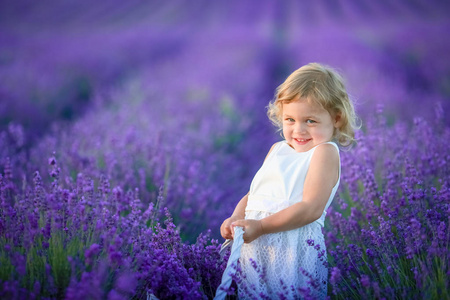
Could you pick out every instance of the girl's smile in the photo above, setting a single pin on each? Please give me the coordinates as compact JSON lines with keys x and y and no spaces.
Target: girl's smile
{"x":307,"y":124}
{"x":302,"y":141}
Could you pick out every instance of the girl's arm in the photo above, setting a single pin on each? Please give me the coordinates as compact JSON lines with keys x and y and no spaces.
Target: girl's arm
{"x":321,"y":177}
{"x":238,"y":214}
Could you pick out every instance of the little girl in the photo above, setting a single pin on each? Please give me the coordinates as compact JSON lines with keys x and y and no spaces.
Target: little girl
{"x":284,"y":212}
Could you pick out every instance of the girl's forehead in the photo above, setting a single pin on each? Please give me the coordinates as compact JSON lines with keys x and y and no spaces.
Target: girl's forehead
{"x":303,"y":106}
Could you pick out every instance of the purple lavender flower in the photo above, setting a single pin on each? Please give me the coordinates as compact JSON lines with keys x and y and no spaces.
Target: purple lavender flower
{"x":365,"y":281}
{"x":441,"y":232}
{"x":90,"y":253}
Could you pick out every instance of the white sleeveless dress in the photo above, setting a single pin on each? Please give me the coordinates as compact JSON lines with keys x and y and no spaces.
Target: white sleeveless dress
{"x":283,"y":262}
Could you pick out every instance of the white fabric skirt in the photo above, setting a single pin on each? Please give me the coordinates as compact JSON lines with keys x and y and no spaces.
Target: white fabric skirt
{"x":284,"y":263}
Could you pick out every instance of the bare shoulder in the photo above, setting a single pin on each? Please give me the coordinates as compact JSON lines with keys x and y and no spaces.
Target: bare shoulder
{"x":326,"y":152}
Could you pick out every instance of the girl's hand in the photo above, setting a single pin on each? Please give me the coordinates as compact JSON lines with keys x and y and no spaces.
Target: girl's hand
{"x":252,"y":229}
{"x":225,"y":229}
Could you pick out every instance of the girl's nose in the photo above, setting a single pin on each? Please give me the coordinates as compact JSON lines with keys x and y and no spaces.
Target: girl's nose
{"x":300,"y":128}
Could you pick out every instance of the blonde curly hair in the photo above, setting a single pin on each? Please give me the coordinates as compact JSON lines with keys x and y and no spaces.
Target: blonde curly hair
{"x":324,"y":86}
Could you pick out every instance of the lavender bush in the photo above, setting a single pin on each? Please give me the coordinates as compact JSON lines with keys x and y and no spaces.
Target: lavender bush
{"x":388,"y":234}
{"x":71,"y":239}
{"x":118,"y":156}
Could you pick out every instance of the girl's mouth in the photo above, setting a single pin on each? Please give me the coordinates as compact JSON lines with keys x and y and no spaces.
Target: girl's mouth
{"x":302,"y":141}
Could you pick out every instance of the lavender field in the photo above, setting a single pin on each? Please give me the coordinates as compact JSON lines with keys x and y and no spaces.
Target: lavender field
{"x":129,"y":131}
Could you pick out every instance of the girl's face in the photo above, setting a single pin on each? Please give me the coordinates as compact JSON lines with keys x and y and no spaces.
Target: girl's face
{"x":307,"y":124}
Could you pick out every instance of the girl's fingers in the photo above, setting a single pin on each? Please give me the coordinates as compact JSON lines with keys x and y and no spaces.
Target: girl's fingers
{"x":229,"y":233}
{"x":225,"y":231}
{"x":240,"y":223}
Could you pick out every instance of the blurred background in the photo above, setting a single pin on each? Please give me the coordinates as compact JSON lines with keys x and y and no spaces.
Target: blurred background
{"x":169,"y":96}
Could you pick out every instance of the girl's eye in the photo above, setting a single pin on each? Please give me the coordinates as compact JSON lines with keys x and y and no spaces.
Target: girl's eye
{"x":309,"y":121}
{"x":290,"y":120}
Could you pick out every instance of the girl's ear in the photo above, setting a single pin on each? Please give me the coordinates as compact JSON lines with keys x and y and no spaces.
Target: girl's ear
{"x":338,"y":120}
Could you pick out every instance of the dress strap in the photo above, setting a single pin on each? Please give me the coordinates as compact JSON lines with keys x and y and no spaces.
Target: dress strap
{"x":334,"y":144}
